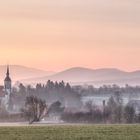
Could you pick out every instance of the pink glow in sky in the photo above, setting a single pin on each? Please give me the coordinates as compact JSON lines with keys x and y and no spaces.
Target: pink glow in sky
{"x":58,"y":34}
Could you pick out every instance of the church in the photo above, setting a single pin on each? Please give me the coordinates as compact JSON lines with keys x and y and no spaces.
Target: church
{"x":5,"y":91}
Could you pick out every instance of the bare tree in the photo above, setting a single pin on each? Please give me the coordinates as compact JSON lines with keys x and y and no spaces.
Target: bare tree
{"x":34,"y":109}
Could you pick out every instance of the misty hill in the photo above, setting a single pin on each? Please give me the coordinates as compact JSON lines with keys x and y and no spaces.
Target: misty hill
{"x":79,"y":75}
{"x":83,"y":74}
{"x":18,"y":72}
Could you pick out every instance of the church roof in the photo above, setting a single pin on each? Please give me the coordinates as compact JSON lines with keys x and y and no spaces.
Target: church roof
{"x":7,"y":78}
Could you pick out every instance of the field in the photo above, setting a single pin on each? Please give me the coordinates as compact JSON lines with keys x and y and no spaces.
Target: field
{"x":70,"y":132}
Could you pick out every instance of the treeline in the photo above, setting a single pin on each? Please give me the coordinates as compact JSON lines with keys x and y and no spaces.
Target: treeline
{"x":55,"y":90}
{"x":42,"y":89}
{"x":50,"y":92}
{"x":111,"y":112}
{"x":64,"y":101}
{"x":107,"y":90}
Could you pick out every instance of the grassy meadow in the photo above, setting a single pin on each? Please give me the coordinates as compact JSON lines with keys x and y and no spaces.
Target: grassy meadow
{"x":71,"y":132}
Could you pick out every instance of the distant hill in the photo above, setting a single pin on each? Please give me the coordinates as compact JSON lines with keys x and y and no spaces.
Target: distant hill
{"x":79,"y":75}
{"x":18,"y":72}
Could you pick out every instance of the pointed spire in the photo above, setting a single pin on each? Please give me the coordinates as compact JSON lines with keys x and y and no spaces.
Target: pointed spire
{"x":7,"y":74}
{"x":7,"y":70}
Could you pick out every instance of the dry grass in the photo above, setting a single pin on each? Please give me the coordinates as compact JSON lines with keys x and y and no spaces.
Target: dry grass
{"x":70,"y":132}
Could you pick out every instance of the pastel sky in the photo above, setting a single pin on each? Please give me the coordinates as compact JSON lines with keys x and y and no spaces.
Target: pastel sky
{"x":58,"y":34}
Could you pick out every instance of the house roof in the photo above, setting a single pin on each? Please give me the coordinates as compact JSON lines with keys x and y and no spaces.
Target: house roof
{"x":7,"y":78}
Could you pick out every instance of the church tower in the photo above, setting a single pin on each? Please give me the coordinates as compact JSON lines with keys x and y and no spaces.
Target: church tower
{"x":8,"y":83}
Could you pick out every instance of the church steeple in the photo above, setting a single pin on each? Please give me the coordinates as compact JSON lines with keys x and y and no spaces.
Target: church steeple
{"x":7,"y":81}
{"x":7,"y":74}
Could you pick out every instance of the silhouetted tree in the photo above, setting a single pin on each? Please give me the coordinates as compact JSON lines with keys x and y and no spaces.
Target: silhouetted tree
{"x":34,"y":109}
{"x":56,"y":108}
{"x":22,"y":89}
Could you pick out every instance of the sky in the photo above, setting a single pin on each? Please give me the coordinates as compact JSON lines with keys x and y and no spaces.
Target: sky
{"x":59,"y":34}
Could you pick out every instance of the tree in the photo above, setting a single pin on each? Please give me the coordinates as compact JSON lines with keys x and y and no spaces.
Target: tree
{"x":56,"y":108}
{"x":68,"y":87}
{"x":22,"y":89}
{"x":34,"y":109}
{"x":129,"y":114}
{"x":116,"y":108}
{"x":50,"y":85}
